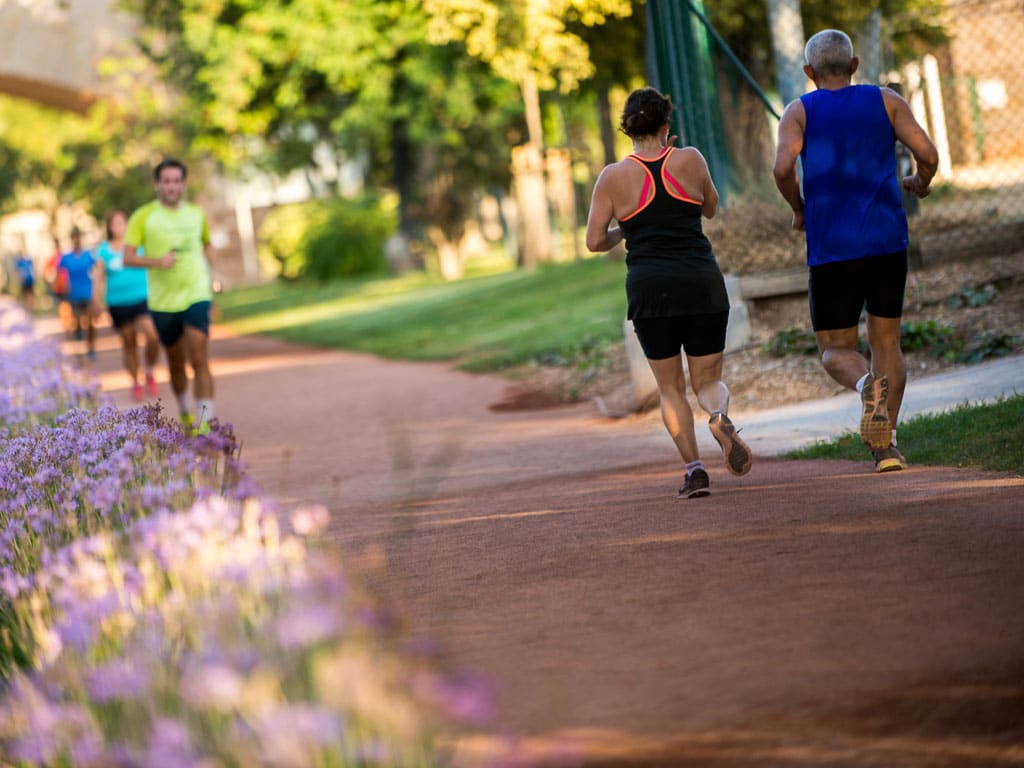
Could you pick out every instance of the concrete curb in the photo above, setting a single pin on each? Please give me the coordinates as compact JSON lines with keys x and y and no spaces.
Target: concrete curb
{"x":779,"y":430}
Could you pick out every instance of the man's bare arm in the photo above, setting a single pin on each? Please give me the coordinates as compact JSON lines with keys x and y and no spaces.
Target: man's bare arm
{"x":791,"y":142}
{"x":910,"y":132}
{"x":132,"y":259}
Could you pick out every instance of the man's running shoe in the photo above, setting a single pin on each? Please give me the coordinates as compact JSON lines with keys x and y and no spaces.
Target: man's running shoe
{"x":738,"y":457}
{"x":192,"y":428}
{"x":137,"y":393}
{"x":889,"y":459}
{"x":875,"y":427}
{"x":151,"y":386}
{"x":697,"y":484}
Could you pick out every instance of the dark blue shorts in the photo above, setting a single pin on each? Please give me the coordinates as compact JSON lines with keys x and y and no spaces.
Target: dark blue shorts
{"x":170,"y":326}
{"x":839,"y":291}
{"x":124,"y":314}
{"x":697,"y":335}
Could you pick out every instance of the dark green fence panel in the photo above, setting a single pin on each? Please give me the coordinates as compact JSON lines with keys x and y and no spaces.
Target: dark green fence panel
{"x":679,"y":63}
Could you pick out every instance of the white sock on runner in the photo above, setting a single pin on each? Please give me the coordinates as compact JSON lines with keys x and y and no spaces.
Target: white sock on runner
{"x":860,"y":382}
{"x":183,"y":404}
{"x":204,"y":410}
{"x":692,"y":465}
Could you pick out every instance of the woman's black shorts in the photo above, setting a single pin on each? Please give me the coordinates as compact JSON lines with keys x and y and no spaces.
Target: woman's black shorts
{"x":123,"y":314}
{"x":697,"y":335}
{"x":840,"y":290}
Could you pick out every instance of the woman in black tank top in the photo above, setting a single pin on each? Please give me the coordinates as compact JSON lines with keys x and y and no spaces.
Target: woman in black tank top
{"x":674,"y":287}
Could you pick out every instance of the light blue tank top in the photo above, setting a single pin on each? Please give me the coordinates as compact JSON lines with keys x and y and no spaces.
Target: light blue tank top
{"x":853,"y":206}
{"x":125,"y":285}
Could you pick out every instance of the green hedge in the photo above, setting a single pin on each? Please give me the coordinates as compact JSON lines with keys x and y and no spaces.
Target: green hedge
{"x":324,"y":240}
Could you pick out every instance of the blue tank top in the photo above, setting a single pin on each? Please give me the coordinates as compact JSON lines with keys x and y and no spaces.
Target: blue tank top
{"x":79,"y":267}
{"x":853,"y":206}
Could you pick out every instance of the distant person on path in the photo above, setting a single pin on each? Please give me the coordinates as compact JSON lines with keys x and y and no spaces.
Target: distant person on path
{"x":57,"y":282}
{"x":26,"y":271}
{"x":674,"y":287}
{"x":857,"y":236}
{"x":123,"y":290}
{"x":78,"y":264}
{"x":171,"y":238}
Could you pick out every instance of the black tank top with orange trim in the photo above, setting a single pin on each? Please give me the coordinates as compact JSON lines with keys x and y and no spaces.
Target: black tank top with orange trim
{"x":670,"y":267}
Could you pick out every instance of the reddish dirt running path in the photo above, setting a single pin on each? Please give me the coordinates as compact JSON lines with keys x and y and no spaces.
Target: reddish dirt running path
{"x":808,"y":614}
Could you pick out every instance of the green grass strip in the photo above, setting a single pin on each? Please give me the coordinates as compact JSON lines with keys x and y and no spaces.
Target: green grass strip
{"x":483,"y":323}
{"x":989,"y":437}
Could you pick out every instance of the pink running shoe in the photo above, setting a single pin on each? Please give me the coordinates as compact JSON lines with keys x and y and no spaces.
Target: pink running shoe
{"x":137,"y":395}
{"x":151,"y":386}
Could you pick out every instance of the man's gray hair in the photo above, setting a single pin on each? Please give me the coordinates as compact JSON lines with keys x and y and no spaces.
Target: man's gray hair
{"x":829,"y":52}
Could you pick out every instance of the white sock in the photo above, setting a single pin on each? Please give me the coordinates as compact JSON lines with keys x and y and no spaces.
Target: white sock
{"x":204,"y":410}
{"x":692,"y":465}
{"x":183,"y":405}
{"x":860,"y":382}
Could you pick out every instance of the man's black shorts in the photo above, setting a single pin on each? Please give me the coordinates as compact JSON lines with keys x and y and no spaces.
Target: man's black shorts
{"x":170,"y":326}
{"x":697,"y":335}
{"x":840,"y":290}
{"x":123,"y":314}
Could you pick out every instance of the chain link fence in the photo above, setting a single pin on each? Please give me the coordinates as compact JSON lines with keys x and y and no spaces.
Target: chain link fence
{"x":968,"y":92}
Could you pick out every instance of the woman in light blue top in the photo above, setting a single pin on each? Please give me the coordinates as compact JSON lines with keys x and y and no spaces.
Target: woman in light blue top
{"x":124,"y":291}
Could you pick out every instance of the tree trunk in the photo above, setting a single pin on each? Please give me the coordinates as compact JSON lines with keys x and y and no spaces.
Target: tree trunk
{"x":869,"y":48}
{"x":563,"y":199}
{"x":528,"y":179}
{"x":449,"y":259}
{"x":532,"y":202}
{"x":403,"y":175}
{"x":531,"y":102}
{"x":787,"y":29}
{"x":604,"y":112}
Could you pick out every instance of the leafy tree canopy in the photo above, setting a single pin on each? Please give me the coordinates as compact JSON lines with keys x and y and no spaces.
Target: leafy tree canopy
{"x":744,"y":25}
{"x":523,"y":38}
{"x":57,"y":158}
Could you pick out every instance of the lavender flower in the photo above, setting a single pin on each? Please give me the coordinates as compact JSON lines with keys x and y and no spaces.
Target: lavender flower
{"x":155,"y":612}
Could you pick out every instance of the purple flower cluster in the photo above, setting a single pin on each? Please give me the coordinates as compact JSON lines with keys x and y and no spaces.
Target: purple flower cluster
{"x":95,"y":470}
{"x":223,"y":635}
{"x":36,"y":382}
{"x":154,"y":612}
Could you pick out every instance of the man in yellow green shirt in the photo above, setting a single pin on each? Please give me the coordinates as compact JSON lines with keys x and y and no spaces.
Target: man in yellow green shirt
{"x":170,"y":238}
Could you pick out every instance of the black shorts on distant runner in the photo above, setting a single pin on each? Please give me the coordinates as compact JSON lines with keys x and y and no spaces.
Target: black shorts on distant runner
{"x":124,"y":314}
{"x":170,"y":326}
{"x":838,"y":291}
{"x":698,"y":335}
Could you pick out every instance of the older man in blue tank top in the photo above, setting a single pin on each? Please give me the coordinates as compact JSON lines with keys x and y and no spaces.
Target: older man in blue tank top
{"x":852,"y":212}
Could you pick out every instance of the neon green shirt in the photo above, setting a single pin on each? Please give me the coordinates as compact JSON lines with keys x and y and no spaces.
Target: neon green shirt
{"x":158,"y":229}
